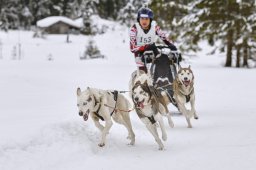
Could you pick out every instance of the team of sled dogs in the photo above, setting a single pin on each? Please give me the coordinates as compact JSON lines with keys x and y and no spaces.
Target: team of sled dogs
{"x":149,"y":103}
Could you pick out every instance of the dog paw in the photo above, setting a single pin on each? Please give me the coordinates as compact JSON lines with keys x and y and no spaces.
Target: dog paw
{"x":161,"y":148}
{"x":131,"y":143}
{"x":195,"y":116}
{"x":171,"y":124}
{"x":189,"y":126}
{"x":101,"y":144}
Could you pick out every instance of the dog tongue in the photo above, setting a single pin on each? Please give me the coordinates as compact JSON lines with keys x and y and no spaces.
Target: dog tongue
{"x":141,"y":105}
{"x":186,"y":83}
{"x":85,"y":117}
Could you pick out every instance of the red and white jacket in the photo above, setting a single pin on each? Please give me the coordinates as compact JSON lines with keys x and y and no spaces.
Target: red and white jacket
{"x":139,"y":38}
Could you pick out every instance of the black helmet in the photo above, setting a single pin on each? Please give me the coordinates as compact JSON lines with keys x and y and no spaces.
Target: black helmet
{"x":145,"y":12}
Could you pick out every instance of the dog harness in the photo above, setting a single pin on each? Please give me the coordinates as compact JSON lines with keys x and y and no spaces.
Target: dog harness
{"x":97,"y":111}
{"x":188,"y":96}
{"x":141,"y":115}
{"x":115,"y":93}
{"x":152,"y":92}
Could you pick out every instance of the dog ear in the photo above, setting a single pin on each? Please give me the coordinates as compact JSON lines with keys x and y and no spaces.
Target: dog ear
{"x":78,"y":91}
{"x":89,"y":90}
{"x":146,"y":82}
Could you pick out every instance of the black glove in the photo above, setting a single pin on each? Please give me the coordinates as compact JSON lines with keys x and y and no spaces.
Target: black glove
{"x":172,"y":47}
{"x":148,"y":59}
{"x":177,"y":57}
{"x":152,"y":47}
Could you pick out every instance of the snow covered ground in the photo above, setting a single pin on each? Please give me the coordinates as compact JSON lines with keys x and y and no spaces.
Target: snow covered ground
{"x":40,"y":127}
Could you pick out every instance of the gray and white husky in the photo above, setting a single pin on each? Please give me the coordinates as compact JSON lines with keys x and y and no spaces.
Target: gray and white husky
{"x":149,"y":105}
{"x":184,"y":92}
{"x":104,"y":104}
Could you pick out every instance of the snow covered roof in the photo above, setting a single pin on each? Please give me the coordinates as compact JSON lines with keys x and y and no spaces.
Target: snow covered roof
{"x":46,"y":22}
{"x":96,"y":20}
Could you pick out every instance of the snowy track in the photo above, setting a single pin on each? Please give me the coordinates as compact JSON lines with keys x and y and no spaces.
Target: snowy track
{"x":40,"y":127}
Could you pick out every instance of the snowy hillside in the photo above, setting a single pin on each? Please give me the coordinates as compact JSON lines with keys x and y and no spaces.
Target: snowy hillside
{"x":40,"y":127}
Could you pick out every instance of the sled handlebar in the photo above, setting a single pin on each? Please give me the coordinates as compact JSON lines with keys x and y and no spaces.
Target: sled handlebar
{"x":162,"y":46}
{"x":174,"y":53}
{"x":166,"y":47}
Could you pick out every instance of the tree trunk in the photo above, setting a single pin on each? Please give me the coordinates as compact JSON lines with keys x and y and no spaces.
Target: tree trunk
{"x":245,"y":51}
{"x":238,"y":56}
{"x":229,"y":48}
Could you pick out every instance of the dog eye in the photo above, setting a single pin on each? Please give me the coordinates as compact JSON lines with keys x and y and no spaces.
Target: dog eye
{"x":84,"y":103}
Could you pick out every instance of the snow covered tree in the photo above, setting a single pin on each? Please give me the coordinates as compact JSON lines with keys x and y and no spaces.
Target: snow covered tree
{"x":4,"y":24}
{"x":91,"y":51}
{"x":222,"y":21}
{"x":139,"y":4}
{"x":127,"y":15}
{"x":88,"y":8}
{"x":168,"y":13}
{"x":76,"y":10}
{"x":9,"y":15}
{"x":245,"y":31}
{"x":40,"y":9}
{"x":109,"y":9}
{"x":26,"y":18}
{"x":61,"y":7}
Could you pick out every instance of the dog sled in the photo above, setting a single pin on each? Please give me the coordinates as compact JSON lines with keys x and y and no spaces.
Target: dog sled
{"x":163,"y":69}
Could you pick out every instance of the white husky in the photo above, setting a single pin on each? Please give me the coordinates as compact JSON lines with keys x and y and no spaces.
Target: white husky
{"x":103,"y":104}
{"x":183,"y":87}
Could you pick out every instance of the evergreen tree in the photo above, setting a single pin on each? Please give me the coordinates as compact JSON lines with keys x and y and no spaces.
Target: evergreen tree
{"x":168,"y":13}
{"x":76,"y":10}
{"x":223,"y":21}
{"x":40,"y":9}
{"x":10,"y":15}
{"x":245,"y":31}
{"x":25,"y":18}
{"x":109,"y":9}
{"x":88,"y":8}
{"x":4,"y":23}
{"x":139,"y":4}
{"x":56,"y":9}
{"x":127,"y":14}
